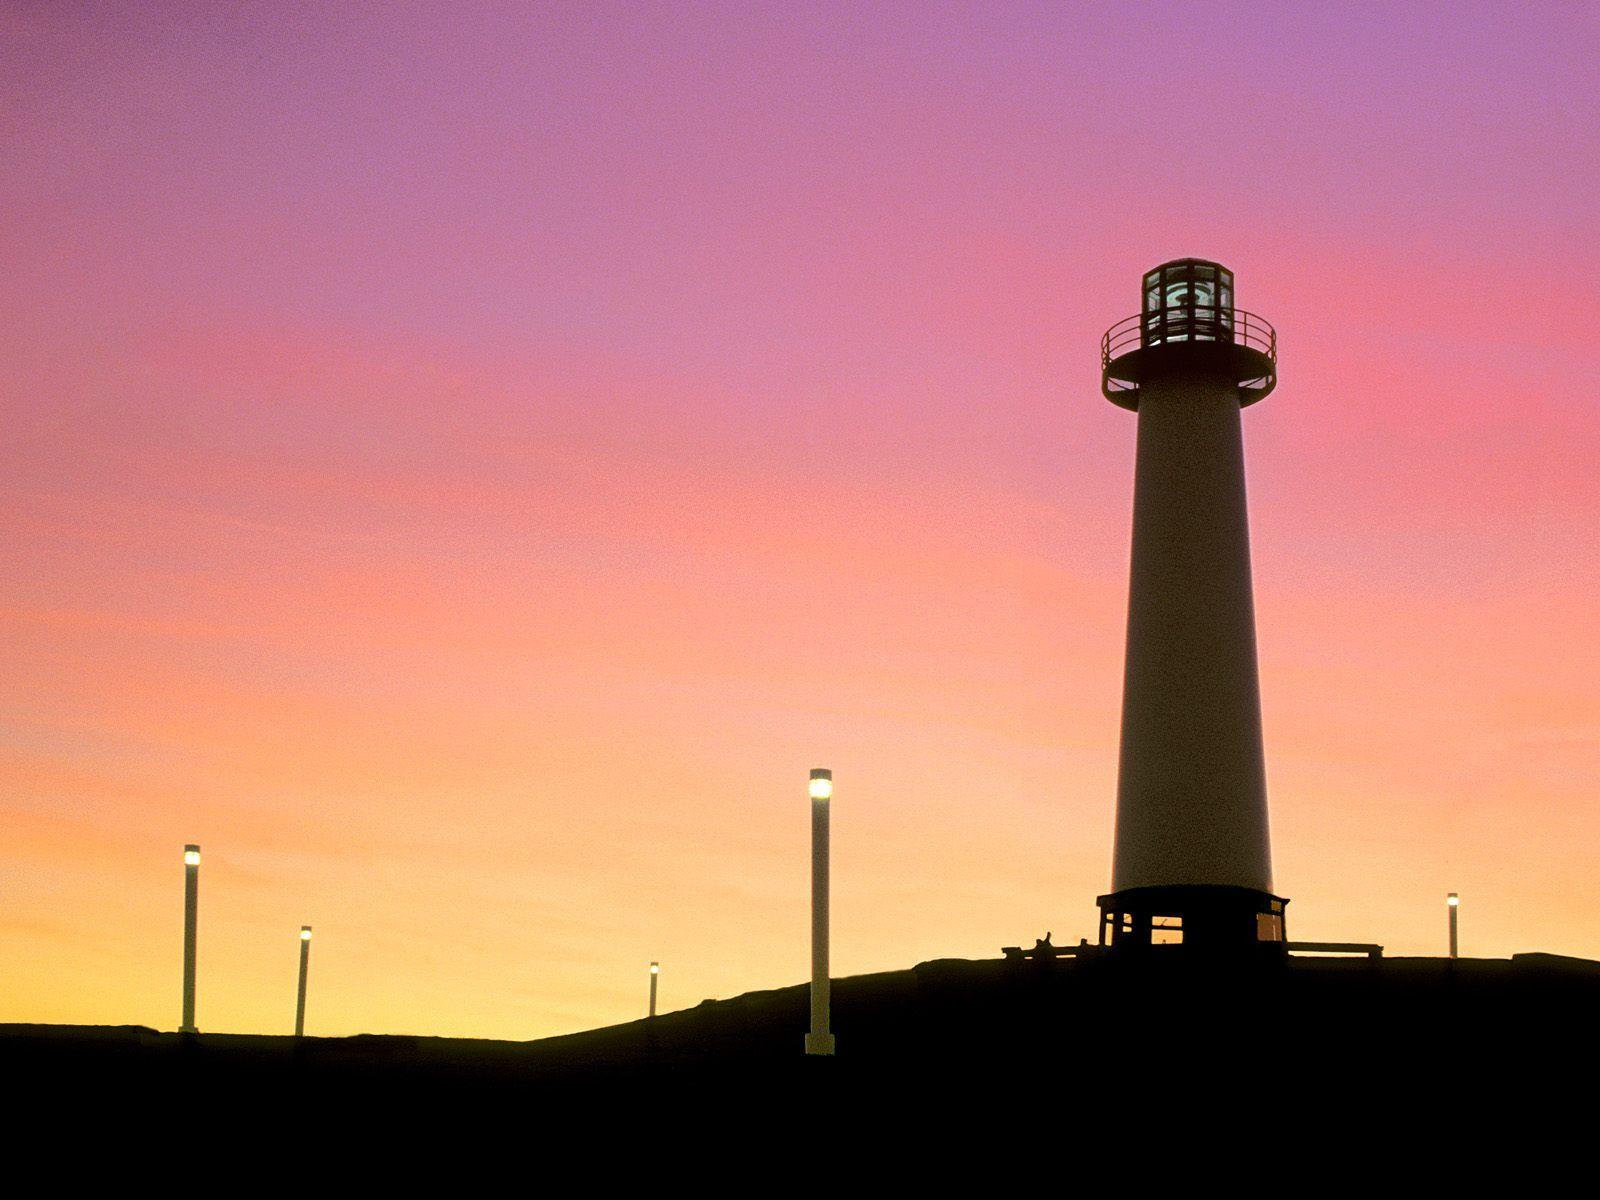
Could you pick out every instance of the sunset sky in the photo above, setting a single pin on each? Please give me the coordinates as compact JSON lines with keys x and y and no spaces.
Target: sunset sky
{"x":462,"y":464}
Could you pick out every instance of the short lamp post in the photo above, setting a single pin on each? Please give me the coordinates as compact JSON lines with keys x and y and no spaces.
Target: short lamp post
{"x":655,"y":975}
{"x":1453,"y":901}
{"x":820,"y":1039}
{"x":305,"y":966}
{"x":191,"y":919}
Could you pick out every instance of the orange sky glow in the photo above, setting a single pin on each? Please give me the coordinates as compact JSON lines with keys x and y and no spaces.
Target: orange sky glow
{"x":463,"y":468}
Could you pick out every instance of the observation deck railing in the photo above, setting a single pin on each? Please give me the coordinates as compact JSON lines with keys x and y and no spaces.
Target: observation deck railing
{"x":1189,"y":323}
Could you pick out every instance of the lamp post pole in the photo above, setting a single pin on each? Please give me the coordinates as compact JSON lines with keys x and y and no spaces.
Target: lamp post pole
{"x":1454,"y":902}
{"x":655,"y":974}
{"x":305,"y":964}
{"x":820,"y":1039}
{"x":191,"y":918}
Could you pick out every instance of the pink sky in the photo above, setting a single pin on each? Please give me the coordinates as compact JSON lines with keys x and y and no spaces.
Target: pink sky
{"x":465,"y":463}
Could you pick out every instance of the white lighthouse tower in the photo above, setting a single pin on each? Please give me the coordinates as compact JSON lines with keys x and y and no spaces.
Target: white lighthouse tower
{"x":1193,"y":861}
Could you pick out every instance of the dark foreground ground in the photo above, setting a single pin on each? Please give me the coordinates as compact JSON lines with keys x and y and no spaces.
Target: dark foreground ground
{"x":1020,"y":1060}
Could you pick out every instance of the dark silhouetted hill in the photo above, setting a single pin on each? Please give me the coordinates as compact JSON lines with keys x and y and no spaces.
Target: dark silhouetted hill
{"x":1098,"y":1050}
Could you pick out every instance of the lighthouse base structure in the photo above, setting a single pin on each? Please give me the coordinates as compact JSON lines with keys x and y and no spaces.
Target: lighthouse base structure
{"x":1208,"y":918}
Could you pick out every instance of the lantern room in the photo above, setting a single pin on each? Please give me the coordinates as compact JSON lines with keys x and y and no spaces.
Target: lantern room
{"x":1187,"y":300}
{"x":1186,"y":322}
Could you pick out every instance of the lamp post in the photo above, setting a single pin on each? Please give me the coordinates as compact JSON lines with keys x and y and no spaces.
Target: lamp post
{"x":191,"y":917}
{"x":305,"y":963}
{"x":820,"y":1039}
{"x":1454,"y":902}
{"x":655,"y":974}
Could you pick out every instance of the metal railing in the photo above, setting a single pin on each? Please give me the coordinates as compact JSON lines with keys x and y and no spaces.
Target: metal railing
{"x":1189,"y":323}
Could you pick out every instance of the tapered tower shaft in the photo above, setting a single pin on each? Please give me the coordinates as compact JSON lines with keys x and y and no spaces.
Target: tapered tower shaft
{"x":1191,"y":790}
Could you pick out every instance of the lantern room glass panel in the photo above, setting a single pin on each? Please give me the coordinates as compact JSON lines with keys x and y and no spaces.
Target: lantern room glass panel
{"x":1187,"y":300}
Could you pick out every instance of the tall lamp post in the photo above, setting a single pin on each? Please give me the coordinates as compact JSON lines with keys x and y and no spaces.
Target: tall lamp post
{"x":191,"y":917}
{"x":655,"y":974}
{"x":305,"y":964}
{"x":1454,"y":902}
{"x":820,"y":1039}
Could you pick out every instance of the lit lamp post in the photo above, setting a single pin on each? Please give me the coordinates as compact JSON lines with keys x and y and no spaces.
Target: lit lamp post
{"x":819,"y":1040}
{"x":655,"y":974}
{"x":191,"y":917}
{"x":305,"y":963}
{"x":1454,"y":901}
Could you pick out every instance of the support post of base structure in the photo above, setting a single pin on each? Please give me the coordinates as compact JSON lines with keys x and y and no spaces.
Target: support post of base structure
{"x":1454,"y":902}
{"x":820,"y":1039}
{"x":305,"y":964}
{"x":191,"y":919}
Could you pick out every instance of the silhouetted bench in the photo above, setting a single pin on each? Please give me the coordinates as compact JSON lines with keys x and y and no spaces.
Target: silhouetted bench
{"x":1367,"y":948}
{"x":1016,"y":953}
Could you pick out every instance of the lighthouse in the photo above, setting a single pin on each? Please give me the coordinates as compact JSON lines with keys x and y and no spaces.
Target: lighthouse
{"x":1192,"y":863}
